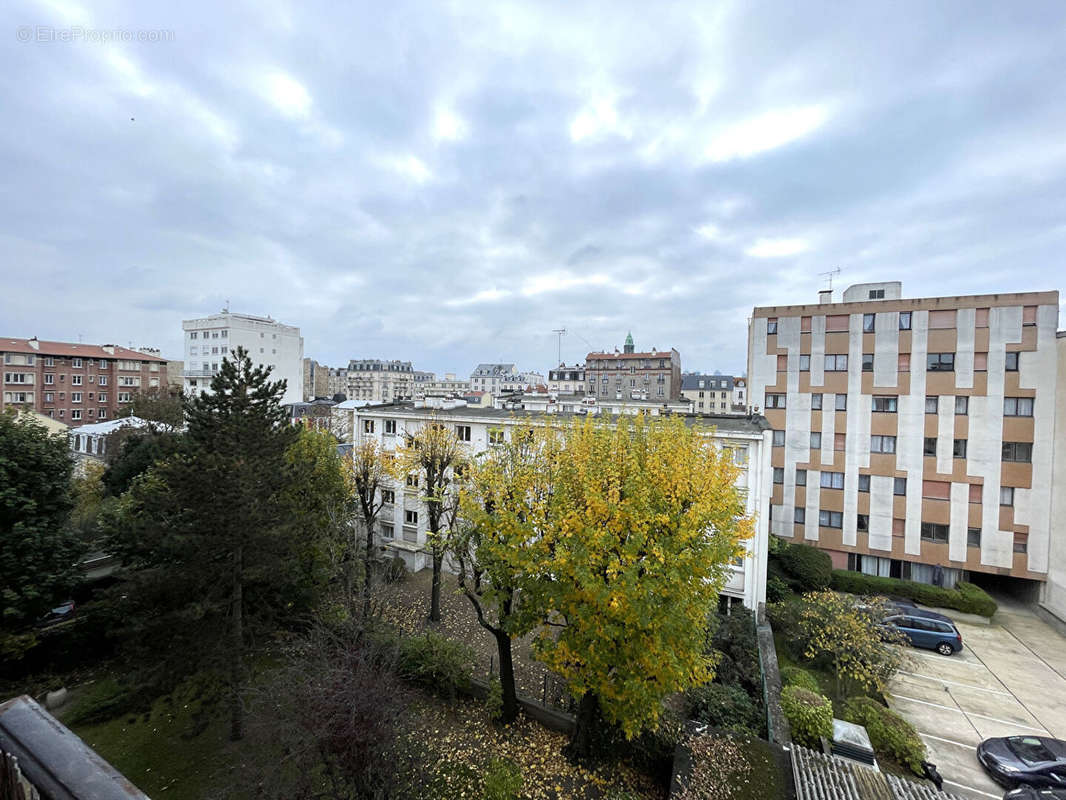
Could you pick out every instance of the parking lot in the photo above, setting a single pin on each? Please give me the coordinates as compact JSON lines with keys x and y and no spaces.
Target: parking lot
{"x":1010,"y":679}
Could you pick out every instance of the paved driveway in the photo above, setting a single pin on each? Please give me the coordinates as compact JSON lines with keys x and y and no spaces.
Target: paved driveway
{"x":1009,"y":679}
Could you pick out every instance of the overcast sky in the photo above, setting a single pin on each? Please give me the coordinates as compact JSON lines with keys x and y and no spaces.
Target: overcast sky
{"x":448,"y":182}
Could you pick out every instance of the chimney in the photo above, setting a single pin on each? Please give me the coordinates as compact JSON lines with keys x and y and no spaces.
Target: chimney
{"x":109,"y":349}
{"x":825,"y":296}
{"x":34,"y":343}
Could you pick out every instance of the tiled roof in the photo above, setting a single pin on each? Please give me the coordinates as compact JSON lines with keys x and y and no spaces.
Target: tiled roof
{"x":692,"y":381}
{"x":656,"y":354}
{"x":69,"y":349}
{"x":822,"y":777}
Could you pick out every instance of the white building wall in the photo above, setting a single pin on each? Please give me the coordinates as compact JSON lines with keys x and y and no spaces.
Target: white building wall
{"x":910,"y":438}
{"x":1053,"y":596}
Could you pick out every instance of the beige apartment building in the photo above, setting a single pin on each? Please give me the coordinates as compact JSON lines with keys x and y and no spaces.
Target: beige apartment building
{"x":912,"y":437}
{"x":629,"y":375}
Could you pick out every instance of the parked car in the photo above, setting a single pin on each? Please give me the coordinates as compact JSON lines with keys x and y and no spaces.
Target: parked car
{"x":910,"y":609}
{"x":935,"y":633}
{"x":1024,"y":760}
{"x":1034,"y":793}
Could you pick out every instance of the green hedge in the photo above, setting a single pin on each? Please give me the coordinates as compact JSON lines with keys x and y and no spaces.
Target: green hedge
{"x":806,"y":568}
{"x":891,"y":735}
{"x":440,"y":664}
{"x":798,"y":676}
{"x":810,"y":715}
{"x":964,"y":597}
{"x":725,"y":708}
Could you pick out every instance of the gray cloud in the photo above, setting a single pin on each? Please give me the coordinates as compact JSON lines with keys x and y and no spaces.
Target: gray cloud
{"x":448,"y":183}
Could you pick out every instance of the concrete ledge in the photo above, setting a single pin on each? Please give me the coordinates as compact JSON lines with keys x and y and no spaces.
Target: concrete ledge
{"x":1051,"y":618}
{"x":548,"y":717}
{"x":960,"y":616}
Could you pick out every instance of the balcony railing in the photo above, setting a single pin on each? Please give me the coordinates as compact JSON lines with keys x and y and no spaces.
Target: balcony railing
{"x":199,"y":373}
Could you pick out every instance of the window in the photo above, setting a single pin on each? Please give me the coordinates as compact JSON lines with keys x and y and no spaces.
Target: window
{"x":832,"y":480}
{"x":936,"y":490}
{"x":75,"y":380}
{"x":1012,"y":362}
{"x":124,"y":397}
{"x":816,"y":440}
{"x":1017,"y":406}
{"x":412,"y":480}
{"x":904,"y":320}
{"x":958,"y":449}
{"x":839,"y":441}
{"x":899,"y":486}
{"x":92,"y":379}
{"x":782,"y":363}
{"x":75,"y":413}
{"x":50,"y":362}
{"x":816,"y":402}
{"x":1021,"y":543}
{"x":980,"y":362}
{"x":463,"y":432}
{"x":973,"y":537}
{"x":842,"y":402}
{"x":805,"y":363}
{"x":940,"y":362}
{"x":864,"y":483}
{"x":771,"y":326}
{"x":102,"y":397}
{"x":869,"y":321}
{"x":495,"y":435}
{"x":779,"y":438}
{"x":387,"y":531}
{"x":903,"y":362}
{"x":932,"y":532}
{"x":49,"y":378}
{"x":962,"y":405}
{"x":388,"y":496}
{"x":799,"y":516}
{"x":805,"y":324}
{"x":831,"y":519}
{"x":62,"y":413}
{"x":76,"y":363}
{"x":867,"y":362}
{"x":779,"y":474}
{"x":410,"y":517}
{"x":102,"y":380}
{"x":1018,"y":451}
{"x":941,"y":320}
{"x":930,"y":446}
{"x":836,"y":363}
{"x":862,"y":522}
{"x":877,"y":294}
{"x":368,"y":426}
{"x":885,"y":404}
{"x":931,"y":405}
{"x":193,"y":335}
{"x":801,"y":477}
{"x":837,"y":323}
{"x":1006,"y":496}
{"x":75,"y":397}
{"x":390,"y":426}
{"x":49,"y":397}
{"x":18,"y":377}
{"x":102,"y":414}
{"x":1028,"y":315}
{"x":775,"y":401}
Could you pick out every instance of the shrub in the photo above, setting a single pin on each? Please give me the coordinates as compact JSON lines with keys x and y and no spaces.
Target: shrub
{"x":435,"y":662}
{"x":798,"y":676}
{"x":807,"y":568}
{"x":776,"y":589}
{"x":810,"y":715}
{"x":964,"y":597}
{"x":734,"y":639}
{"x":724,"y":707}
{"x":891,"y":735}
{"x":395,"y":570}
{"x":503,"y":780}
{"x":494,"y":699}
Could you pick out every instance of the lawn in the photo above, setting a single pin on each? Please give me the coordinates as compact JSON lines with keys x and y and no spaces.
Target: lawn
{"x":733,"y":768}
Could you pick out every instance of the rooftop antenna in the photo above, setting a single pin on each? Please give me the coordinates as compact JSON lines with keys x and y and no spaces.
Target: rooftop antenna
{"x":560,"y":333}
{"x":829,"y":277}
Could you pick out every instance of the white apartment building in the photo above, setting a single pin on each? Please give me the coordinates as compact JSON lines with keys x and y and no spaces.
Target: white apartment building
{"x":378,"y":381}
{"x":565,"y":379}
{"x":913,"y":437}
{"x":446,"y":386}
{"x":402,"y":523}
{"x":710,"y":394}
{"x":268,"y":342}
{"x":493,"y":378}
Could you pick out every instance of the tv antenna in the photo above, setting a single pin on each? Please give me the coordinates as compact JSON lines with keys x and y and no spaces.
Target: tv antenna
{"x":829,"y":276}
{"x":560,"y":333}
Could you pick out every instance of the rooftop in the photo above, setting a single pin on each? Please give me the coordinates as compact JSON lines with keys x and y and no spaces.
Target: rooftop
{"x":651,"y":354}
{"x":69,"y":349}
{"x":692,"y":381}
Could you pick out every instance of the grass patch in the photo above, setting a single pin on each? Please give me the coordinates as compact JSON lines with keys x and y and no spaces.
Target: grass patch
{"x":732,"y":768}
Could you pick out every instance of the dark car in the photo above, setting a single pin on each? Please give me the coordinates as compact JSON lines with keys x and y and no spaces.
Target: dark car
{"x":935,"y":634}
{"x":1034,"y":793}
{"x":1024,"y":761}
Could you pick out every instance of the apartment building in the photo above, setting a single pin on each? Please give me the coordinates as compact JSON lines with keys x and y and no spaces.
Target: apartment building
{"x":493,"y":378}
{"x":316,"y":380}
{"x":1053,"y":591}
{"x":76,"y":383}
{"x":654,"y":375}
{"x":710,"y":394}
{"x":740,"y":395}
{"x":336,"y":381}
{"x":269,"y":343}
{"x":565,"y":379}
{"x":449,"y":385}
{"x":377,"y":381}
{"x":912,"y":437}
{"x":402,"y":522}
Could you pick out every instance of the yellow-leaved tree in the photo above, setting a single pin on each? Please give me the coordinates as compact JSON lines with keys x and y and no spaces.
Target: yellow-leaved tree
{"x":368,"y":471}
{"x":644,"y":519}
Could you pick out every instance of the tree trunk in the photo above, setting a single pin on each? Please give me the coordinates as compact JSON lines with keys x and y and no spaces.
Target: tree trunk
{"x":367,"y":569}
{"x":580,"y":747}
{"x":510,"y":699}
{"x":434,"y":596}
{"x":236,"y":731}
